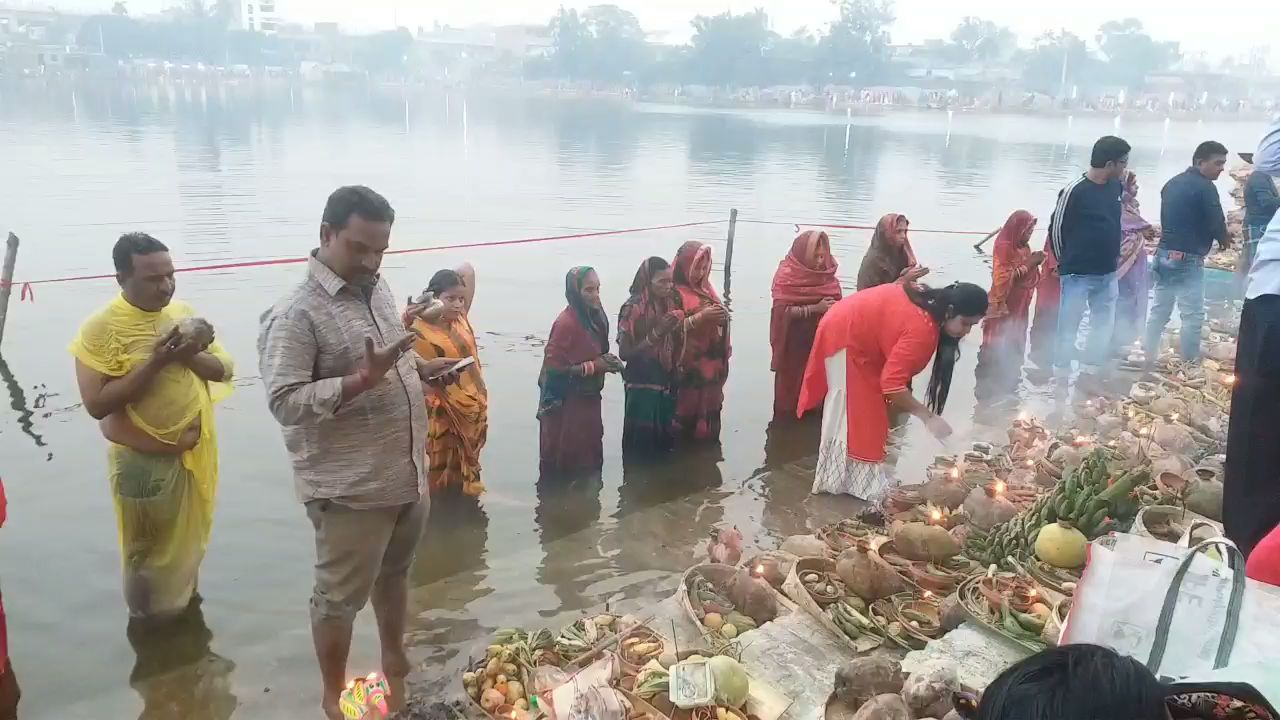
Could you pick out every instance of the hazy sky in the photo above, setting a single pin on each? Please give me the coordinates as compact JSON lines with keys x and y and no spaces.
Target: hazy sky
{"x":1219,"y":28}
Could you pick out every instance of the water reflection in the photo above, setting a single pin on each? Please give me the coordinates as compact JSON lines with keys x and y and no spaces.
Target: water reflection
{"x":176,"y":672}
{"x":568,"y":521}
{"x":682,"y":498}
{"x":18,"y":401}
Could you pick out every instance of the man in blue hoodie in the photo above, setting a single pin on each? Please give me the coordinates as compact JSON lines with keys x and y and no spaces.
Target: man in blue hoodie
{"x":1084,"y":233}
{"x":1191,"y":219}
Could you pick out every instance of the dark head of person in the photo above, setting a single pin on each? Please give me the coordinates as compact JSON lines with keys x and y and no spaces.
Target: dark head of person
{"x":354,"y":233}
{"x":1073,"y":682}
{"x":450,"y":288}
{"x":1210,"y":159}
{"x":1110,"y":158}
{"x":144,"y":271}
{"x":957,"y":308}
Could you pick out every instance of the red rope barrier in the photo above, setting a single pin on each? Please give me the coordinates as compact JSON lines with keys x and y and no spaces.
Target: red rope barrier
{"x":28,"y":292}
{"x":838,"y":226}
{"x":26,"y":286}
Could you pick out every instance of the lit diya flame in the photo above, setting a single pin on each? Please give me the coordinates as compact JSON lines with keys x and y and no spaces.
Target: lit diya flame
{"x":1032,"y":592}
{"x":1228,"y":379}
{"x":999,"y":487}
{"x":1031,"y":463}
{"x":760,"y":569}
{"x":928,"y":594}
{"x":935,"y":515}
{"x":955,"y":472}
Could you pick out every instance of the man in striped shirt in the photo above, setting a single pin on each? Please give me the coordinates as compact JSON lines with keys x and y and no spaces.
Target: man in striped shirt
{"x":1084,"y":233}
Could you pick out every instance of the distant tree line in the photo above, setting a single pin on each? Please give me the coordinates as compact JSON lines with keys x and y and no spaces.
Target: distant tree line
{"x":606,"y":44}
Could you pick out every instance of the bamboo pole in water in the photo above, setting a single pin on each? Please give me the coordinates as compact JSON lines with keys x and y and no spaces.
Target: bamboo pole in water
{"x":6,"y":279}
{"x":728,"y":252}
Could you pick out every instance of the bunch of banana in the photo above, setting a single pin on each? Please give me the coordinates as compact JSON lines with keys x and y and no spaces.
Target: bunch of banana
{"x":1084,"y":496}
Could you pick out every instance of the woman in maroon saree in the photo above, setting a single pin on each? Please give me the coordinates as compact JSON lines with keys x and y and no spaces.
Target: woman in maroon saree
{"x":571,"y":433}
{"x":804,"y":288}
{"x":704,"y":363}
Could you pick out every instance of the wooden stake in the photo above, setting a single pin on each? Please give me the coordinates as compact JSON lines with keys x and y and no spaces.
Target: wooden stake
{"x":6,"y":279}
{"x":728,"y":252}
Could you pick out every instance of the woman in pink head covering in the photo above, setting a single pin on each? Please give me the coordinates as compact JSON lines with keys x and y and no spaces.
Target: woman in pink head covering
{"x":1131,"y":271}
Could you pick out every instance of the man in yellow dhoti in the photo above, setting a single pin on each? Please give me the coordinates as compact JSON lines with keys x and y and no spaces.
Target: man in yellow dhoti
{"x":150,"y":372}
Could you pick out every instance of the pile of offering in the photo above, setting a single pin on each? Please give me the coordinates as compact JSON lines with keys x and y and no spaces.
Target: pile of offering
{"x":582,"y":636}
{"x":728,"y":601}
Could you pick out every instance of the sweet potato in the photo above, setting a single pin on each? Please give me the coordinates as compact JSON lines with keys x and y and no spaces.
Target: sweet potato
{"x":753,"y":597}
{"x":866,"y":574}
{"x":930,"y":693}
{"x":884,"y":707}
{"x":919,"y":541}
{"x":861,"y":679}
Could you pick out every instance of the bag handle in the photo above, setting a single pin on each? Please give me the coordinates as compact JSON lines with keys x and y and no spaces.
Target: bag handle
{"x":1235,"y":561}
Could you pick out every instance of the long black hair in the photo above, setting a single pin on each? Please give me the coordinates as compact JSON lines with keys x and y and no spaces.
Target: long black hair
{"x":1073,"y":682}
{"x":942,"y":304}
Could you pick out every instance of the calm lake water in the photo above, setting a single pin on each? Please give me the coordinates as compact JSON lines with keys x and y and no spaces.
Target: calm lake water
{"x":235,"y":175}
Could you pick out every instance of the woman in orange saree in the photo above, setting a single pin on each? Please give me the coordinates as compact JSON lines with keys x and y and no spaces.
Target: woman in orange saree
{"x":458,"y":414}
{"x":704,"y":363}
{"x":1015,"y":271}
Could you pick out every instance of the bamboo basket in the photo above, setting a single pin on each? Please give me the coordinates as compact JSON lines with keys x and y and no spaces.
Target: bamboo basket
{"x":524,"y":682}
{"x":640,"y":704}
{"x":721,"y":574}
{"x":798,"y":594}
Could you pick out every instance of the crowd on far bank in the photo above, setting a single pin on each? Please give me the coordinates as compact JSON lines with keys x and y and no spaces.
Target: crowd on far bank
{"x":383,"y":408}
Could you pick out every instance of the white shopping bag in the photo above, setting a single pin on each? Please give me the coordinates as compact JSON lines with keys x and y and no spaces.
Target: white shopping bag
{"x":1173,"y":608}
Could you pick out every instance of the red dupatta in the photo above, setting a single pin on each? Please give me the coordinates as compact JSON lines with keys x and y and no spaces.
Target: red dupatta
{"x":1010,"y":253}
{"x":691,"y":272}
{"x":800,"y":281}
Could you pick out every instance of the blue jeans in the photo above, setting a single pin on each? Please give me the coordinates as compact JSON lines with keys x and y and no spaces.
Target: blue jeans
{"x":1098,"y":294}
{"x":1178,"y":277}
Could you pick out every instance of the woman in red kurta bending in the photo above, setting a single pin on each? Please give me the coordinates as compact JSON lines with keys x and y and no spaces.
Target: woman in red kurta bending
{"x":868,"y":348}
{"x":805,"y":287}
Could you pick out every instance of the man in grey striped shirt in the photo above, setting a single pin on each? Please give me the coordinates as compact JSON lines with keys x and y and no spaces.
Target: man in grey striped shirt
{"x":347,"y":390}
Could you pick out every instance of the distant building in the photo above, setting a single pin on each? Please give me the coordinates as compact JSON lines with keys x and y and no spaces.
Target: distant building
{"x":460,"y":52}
{"x":256,"y":15}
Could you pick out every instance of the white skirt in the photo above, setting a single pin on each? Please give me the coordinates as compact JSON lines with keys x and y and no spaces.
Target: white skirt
{"x":837,"y":473}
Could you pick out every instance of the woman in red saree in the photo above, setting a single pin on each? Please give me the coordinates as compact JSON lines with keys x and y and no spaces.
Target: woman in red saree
{"x":804,"y":289}
{"x":1048,"y":299}
{"x":868,"y":348}
{"x":650,"y":340}
{"x":571,"y":433}
{"x":704,"y":362}
{"x":1015,"y":271}
{"x":890,"y":257}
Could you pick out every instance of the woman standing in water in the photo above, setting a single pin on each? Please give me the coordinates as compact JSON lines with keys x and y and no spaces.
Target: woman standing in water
{"x":458,"y":413}
{"x":1131,"y":303}
{"x":804,"y":289}
{"x":1048,"y":298}
{"x":704,"y":363}
{"x":571,"y":434}
{"x":868,"y":348}
{"x":650,"y":340}
{"x":1015,"y":270}
{"x":890,"y":257}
